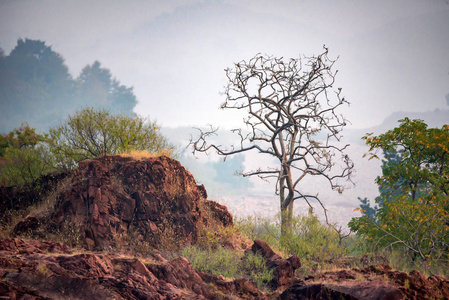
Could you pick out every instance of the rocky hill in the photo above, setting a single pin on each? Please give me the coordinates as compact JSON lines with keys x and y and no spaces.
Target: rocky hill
{"x":108,"y":198}
{"x":121,"y":216}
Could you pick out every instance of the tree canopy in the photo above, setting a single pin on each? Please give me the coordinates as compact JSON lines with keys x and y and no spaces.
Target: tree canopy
{"x":23,"y":158}
{"x":97,"y":86}
{"x":413,"y":213}
{"x":36,"y":87}
{"x":90,"y":133}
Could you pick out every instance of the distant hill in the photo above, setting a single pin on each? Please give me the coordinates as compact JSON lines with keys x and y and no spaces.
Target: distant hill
{"x":436,"y":118}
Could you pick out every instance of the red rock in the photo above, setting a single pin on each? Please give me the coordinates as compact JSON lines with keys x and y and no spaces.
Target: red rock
{"x":373,"y":290}
{"x":283,"y":269}
{"x":107,"y":276}
{"x":156,"y":195}
{"x":27,"y":225}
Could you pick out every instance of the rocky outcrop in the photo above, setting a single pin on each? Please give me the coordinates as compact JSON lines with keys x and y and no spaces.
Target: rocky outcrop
{"x":283,"y":269}
{"x":373,"y":282}
{"x":374,"y":290}
{"x":155,"y":198}
{"x":47,"y":271}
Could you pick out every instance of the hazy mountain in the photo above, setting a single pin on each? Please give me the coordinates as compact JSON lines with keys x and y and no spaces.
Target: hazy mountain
{"x":436,"y":118}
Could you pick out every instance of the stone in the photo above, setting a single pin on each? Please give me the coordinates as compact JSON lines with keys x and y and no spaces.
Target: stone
{"x":283,"y":269}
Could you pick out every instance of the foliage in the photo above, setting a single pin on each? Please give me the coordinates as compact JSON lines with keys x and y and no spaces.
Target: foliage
{"x":22,"y":137}
{"x":24,"y":156}
{"x":413,"y":215}
{"x":91,"y":133}
{"x":291,"y":116}
{"x":366,"y":209}
{"x":36,"y":87}
{"x":23,"y":166}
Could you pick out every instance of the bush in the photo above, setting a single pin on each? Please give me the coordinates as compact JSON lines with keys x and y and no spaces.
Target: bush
{"x":23,"y":156}
{"x":23,"y":165}
{"x":413,"y":213}
{"x":92,"y":133}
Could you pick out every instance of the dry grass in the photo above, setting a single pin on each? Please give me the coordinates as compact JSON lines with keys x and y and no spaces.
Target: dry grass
{"x":41,"y":209}
{"x":143,"y":154}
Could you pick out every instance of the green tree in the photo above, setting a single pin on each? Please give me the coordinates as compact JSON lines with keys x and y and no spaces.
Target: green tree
{"x":23,"y":137}
{"x":96,"y":86}
{"x":24,"y":157}
{"x":414,"y":214}
{"x":90,"y":133}
{"x":391,"y":157}
{"x":35,"y":85}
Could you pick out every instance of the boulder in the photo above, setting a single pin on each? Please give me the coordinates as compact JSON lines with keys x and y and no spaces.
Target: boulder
{"x":283,"y":269}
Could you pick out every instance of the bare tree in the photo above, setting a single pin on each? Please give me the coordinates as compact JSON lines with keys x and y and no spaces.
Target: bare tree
{"x":291,"y":116}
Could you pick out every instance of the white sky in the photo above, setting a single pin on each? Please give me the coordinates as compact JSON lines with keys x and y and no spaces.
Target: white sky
{"x":393,"y":54}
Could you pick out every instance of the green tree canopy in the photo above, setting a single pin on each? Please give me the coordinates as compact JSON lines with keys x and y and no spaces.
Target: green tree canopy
{"x":414,"y":212}
{"x":91,"y":133}
{"x":23,"y":156}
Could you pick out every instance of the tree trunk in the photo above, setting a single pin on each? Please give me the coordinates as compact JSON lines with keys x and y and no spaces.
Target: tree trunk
{"x":286,"y":202}
{"x":286,"y":220}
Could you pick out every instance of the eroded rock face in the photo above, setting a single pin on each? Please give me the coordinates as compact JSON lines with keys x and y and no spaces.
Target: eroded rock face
{"x":88,"y":275}
{"x":109,"y":195}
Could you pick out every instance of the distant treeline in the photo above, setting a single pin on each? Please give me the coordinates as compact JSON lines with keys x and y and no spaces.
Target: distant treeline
{"x":36,"y":87}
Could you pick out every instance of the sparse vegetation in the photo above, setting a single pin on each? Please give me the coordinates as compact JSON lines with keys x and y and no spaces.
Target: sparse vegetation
{"x":144,"y":154}
{"x":313,"y":241}
{"x":230,"y":264}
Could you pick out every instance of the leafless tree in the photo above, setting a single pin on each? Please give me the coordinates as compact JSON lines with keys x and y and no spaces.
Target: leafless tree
{"x":291,"y":116}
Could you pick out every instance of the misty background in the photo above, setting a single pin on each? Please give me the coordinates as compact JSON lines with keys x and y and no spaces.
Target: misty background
{"x":165,"y":60}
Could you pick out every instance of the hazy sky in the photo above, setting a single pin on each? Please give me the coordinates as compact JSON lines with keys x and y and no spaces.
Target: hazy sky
{"x":393,"y":54}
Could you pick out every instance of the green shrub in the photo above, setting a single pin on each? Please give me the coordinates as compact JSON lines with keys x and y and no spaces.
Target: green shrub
{"x":23,"y":156}
{"x":256,"y":270}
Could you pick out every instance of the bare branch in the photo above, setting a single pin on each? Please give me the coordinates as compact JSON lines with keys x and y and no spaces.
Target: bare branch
{"x":292,"y":116}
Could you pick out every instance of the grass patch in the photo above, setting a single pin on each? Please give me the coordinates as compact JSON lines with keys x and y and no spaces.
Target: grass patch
{"x":143,"y":154}
{"x":230,"y":264}
{"x":315,"y":243}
